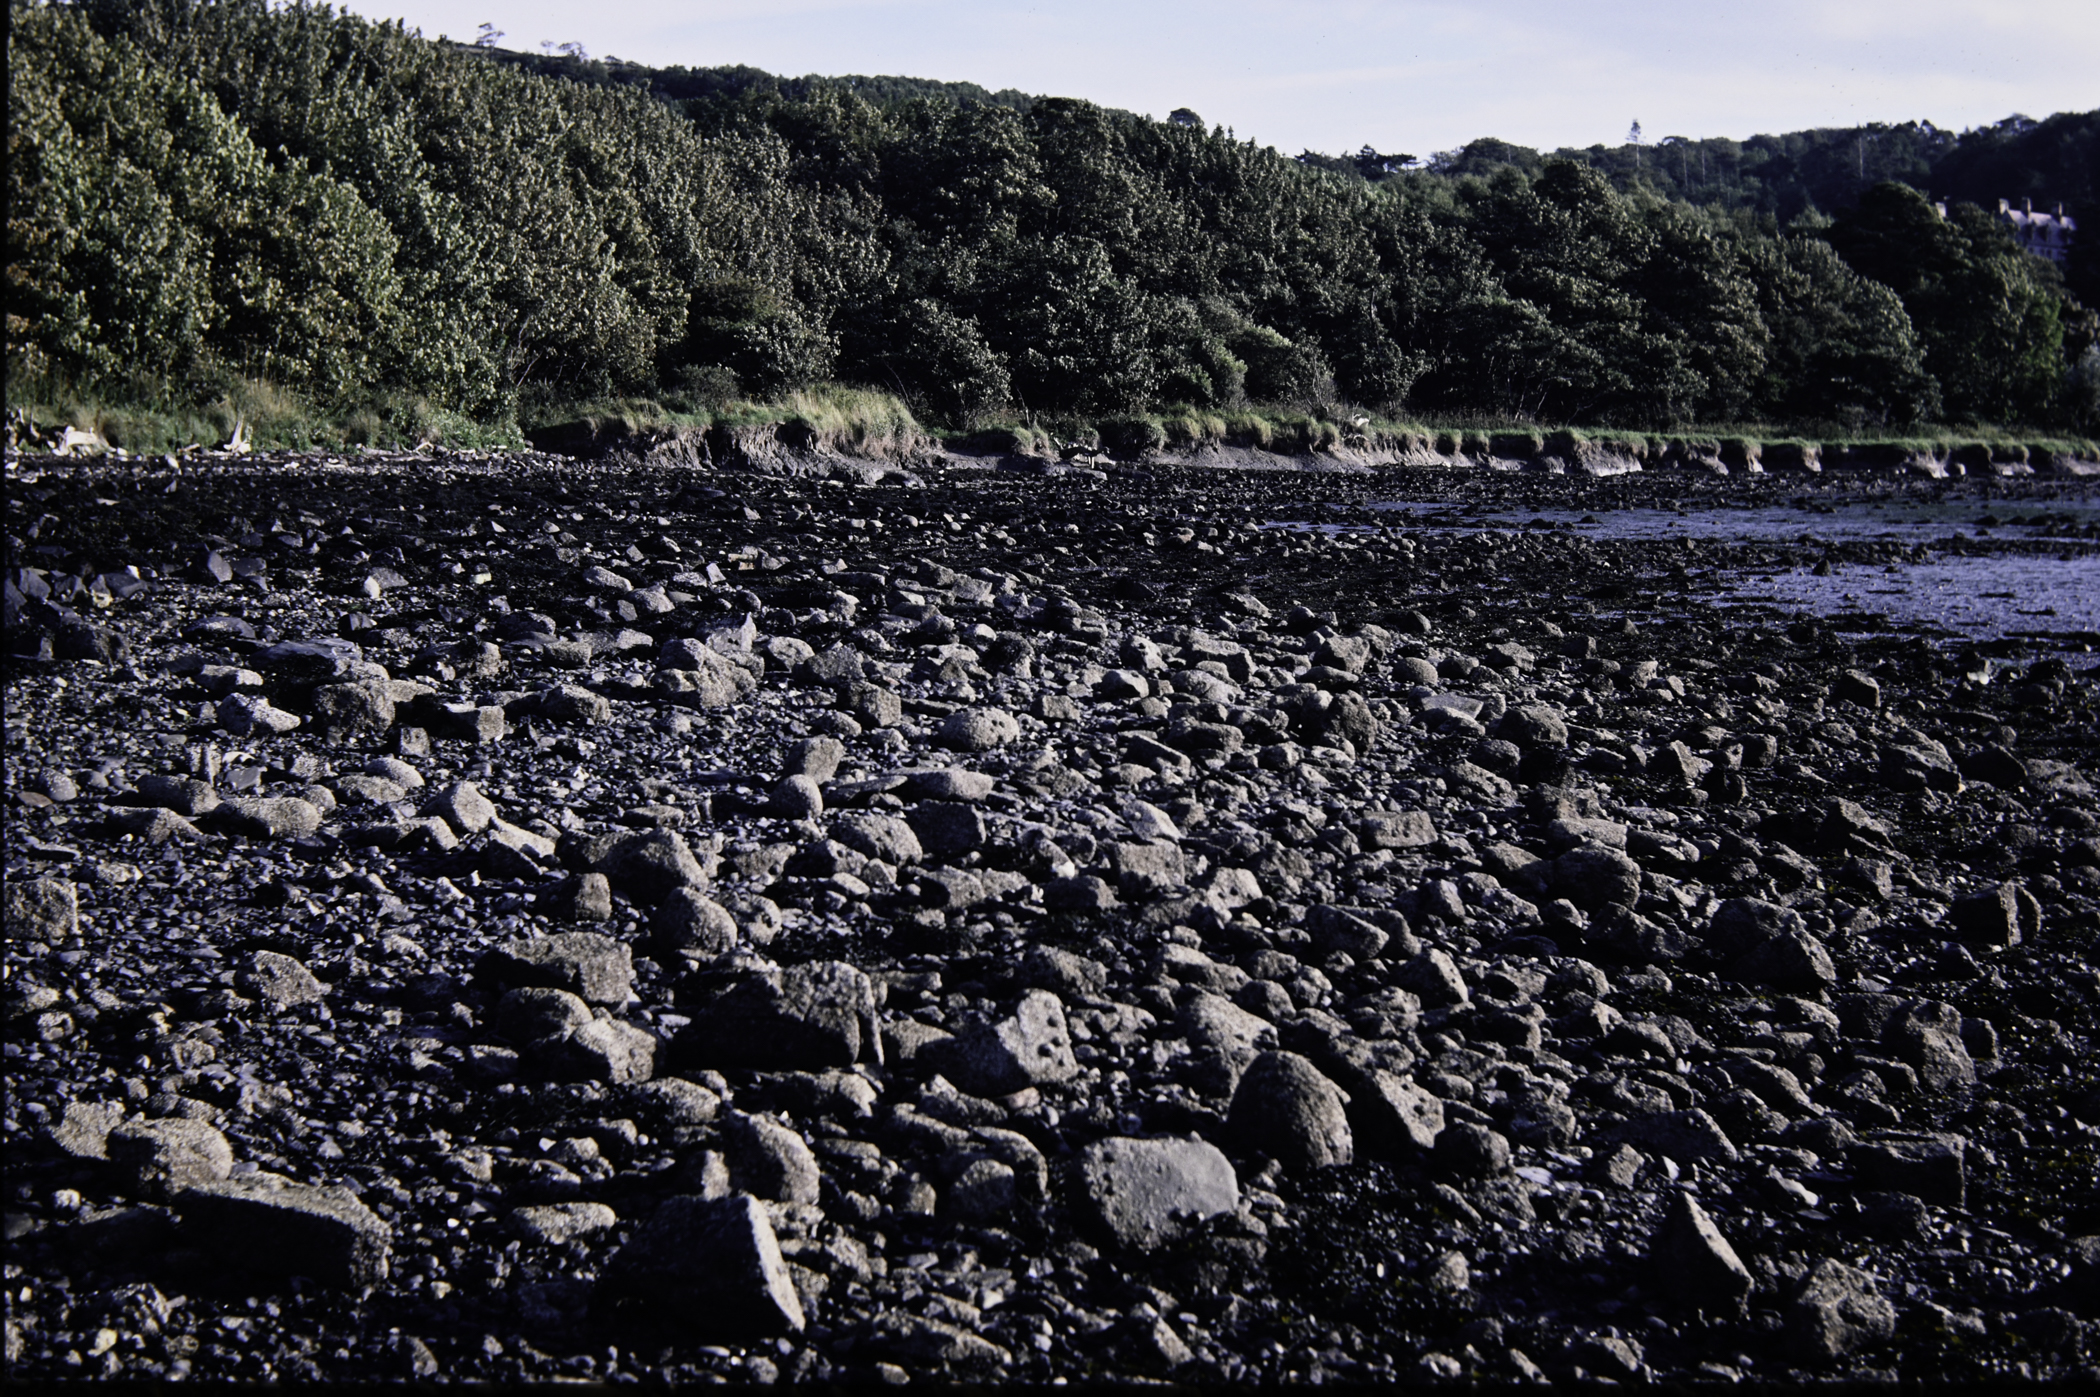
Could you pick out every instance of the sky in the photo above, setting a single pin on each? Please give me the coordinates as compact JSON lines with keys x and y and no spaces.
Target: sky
{"x":1403,"y":76}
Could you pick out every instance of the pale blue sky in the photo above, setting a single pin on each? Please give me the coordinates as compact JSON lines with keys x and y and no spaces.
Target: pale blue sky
{"x":1402,"y":75}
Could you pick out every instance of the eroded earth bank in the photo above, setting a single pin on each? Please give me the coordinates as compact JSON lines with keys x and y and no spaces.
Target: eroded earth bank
{"x":512,"y":918}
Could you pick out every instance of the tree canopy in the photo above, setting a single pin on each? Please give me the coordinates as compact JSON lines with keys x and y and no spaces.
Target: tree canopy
{"x":211,"y":187}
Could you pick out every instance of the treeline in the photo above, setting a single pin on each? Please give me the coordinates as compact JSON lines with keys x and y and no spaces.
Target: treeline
{"x":203,"y":190}
{"x":1826,"y":169}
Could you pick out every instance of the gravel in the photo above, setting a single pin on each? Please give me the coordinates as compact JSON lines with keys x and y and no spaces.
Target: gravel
{"x":977,"y":925}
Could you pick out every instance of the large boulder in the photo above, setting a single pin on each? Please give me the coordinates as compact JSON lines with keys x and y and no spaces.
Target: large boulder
{"x":265,"y":1223}
{"x":1286,"y":1109}
{"x":804,"y":1019}
{"x":1143,"y":1194}
{"x":1030,"y":1046}
{"x":707,"y":1268}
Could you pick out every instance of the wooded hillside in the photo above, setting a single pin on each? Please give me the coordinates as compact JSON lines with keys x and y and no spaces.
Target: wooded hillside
{"x":208,"y":190}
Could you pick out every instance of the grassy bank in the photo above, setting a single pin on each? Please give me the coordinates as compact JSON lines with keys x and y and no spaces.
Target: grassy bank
{"x":863,"y":422}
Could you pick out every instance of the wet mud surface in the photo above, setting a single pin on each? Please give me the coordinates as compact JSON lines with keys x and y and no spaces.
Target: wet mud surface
{"x":515,"y":919}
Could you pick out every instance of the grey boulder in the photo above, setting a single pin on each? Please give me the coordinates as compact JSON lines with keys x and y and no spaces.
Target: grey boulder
{"x":266,"y":1223}
{"x":709,"y":1268}
{"x":1143,"y":1194}
{"x":1286,"y":1109}
{"x":1032,"y":1045}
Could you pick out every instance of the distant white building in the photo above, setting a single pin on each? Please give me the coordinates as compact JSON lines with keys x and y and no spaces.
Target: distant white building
{"x":2043,"y":234}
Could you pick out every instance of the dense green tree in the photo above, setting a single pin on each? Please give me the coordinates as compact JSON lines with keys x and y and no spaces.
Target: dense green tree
{"x":148,"y":236}
{"x":1988,"y":316}
{"x":1842,"y":349}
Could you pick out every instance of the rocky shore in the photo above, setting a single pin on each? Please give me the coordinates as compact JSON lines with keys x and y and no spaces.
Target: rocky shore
{"x":519,"y":918}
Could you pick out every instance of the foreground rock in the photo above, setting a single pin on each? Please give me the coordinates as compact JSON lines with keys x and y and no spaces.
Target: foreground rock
{"x":686,"y":925}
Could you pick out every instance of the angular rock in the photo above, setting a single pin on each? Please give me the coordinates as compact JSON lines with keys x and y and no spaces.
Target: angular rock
{"x":462,"y":806}
{"x":1592,"y":878}
{"x":928,"y":1343}
{"x":185,"y":795}
{"x":1533,"y":725}
{"x":1339,"y":929}
{"x":672,"y":1102}
{"x":768,"y":1159}
{"x":978,"y":729}
{"x":280,"y":981}
{"x":1143,"y":1194}
{"x":596,"y":967}
{"x":884,"y":837}
{"x":1148,"y":868}
{"x":1990,"y":919}
{"x":1742,"y":924}
{"x":267,"y":817}
{"x":1837,"y":1311}
{"x":817,"y":758}
{"x":690,"y":924}
{"x":1214,"y":1023}
{"x":536,"y":1013}
{"x":351,"y":712}
{"x":1031,"y":1046}
{"x":1396,"y":829}
{"x":1082,"y":893}
{"x":949,"y":783}
{"x":948,"y":829}
{"x":558,"y":1224}
{"x":1929,"y":1036}
{"x":266,"y":1223}
{"x":153,"y":827}
{"x":161,"y":1158}
{"x":42,"y":909}
{"x":82,"y":1129}
{"x":1795,"y":962}
{"x":587,"y":898}
{"x":804,"y":1019}
{"x":1685,"y":1136}
{"x":1392,"y":1117}
{"x":601,"y":1050}
{"x":707,"y":1269}
{"x":647,"y":868}
{"x":1694,"y":1262}
{"x":1434,"y":978}
{"x":796,"y":798}
{"x":1468,"y":1151}
{"x":1934,"y":1168}
{"x":246,"y":714}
